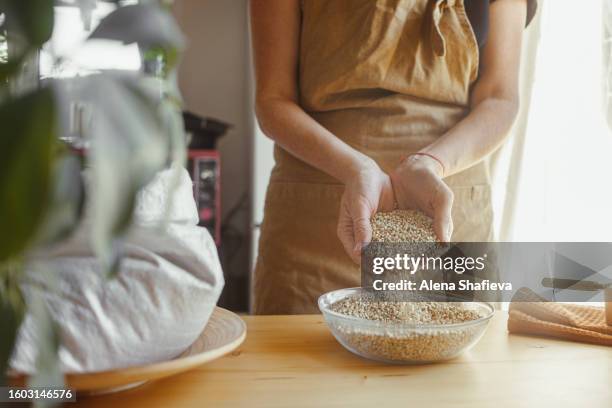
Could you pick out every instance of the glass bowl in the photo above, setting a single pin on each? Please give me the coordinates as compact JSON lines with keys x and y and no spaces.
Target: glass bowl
{"x":403,"y":342}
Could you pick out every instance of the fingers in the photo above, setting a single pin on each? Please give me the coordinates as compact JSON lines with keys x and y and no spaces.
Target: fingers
{"x":442,"y":206}
{"x":362,"y":229}
{"x":403,"y":196}
{"x":388,"y":200}
{"x":354,"y":229}
{"x":345,"y":233}
{"x":396,"y":183}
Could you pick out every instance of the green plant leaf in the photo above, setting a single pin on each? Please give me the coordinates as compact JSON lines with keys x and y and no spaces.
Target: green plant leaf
{"x":173,"y":122}
{"x":128,"y":147}
{"x":10,"y":321}
{"x":128,"y":150}
{"x":169,"y":119}
{"x":9,"y":68}
{"x":48,"y":368}
{"x":26,"y":147}
{"x":66,"y":201}
{"x":12,"y":309}
{"x":32,"y":18}
{"x":145,"y":24}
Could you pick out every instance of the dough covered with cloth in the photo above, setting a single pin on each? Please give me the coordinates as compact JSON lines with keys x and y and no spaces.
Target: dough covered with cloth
{"x":167,"y":286}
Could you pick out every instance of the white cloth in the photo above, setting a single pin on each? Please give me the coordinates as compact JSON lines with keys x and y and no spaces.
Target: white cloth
{"x":168,"y":284}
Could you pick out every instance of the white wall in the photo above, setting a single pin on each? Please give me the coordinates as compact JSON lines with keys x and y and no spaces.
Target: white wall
{"x":214,"y":80}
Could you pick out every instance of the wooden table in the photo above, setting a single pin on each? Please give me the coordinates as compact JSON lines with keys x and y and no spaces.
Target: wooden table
{"x":293,"y":361}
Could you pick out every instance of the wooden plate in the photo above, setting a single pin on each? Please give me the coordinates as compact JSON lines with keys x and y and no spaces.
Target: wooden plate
{"x":224,"y":332}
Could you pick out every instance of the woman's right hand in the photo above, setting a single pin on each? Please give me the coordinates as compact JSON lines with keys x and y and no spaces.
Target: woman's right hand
{"x":418,"y":184}
{"x":367,"y":192}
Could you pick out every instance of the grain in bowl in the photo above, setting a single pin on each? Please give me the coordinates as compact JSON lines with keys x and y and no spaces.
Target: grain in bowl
{"x":403,"y":332}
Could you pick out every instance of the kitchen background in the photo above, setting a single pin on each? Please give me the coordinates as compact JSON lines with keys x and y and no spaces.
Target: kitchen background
{"x":216,"y":81}
{"x":552,"y":168}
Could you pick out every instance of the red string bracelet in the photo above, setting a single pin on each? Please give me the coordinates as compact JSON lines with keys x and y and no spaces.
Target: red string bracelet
{"x":427,"y":155}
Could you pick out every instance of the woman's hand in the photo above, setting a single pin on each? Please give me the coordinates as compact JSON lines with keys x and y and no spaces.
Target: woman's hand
{"x":417,"y":184}
{"x":367,"y":192}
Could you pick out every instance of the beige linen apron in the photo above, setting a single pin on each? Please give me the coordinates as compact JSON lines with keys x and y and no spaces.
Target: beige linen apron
{"x":388,"y":77}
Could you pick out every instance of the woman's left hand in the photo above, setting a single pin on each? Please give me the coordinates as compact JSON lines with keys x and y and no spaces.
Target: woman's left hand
{"x":366,"y":193}
{"x":417,"y":184}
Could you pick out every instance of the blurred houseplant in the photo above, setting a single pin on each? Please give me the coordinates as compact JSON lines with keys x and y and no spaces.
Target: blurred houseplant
{"x":137,"y":131}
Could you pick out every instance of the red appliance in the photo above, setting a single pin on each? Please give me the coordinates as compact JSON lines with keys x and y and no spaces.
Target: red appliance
{"x":205,"y":169}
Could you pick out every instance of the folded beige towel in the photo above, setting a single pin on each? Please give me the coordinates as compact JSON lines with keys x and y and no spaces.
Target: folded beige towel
{"x":531,"y":314}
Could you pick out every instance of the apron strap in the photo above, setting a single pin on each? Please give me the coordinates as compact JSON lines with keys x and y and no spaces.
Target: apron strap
{"x":438,"y":42}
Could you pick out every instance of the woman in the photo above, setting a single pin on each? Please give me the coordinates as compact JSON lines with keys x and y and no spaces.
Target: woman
{"x":375,"y":104}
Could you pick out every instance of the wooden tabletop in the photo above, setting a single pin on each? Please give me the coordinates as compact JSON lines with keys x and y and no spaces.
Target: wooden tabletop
{"x":293,"y":361}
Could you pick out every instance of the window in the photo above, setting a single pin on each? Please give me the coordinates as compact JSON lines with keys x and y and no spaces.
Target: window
{"x":565,"y":192}
{"x":77,"y":57}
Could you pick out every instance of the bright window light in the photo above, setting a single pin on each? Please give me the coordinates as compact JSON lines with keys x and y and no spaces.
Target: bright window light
{"x":565,"y":190}
{"x":78,"y":56}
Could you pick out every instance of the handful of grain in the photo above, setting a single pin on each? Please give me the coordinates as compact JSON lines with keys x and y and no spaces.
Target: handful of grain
{"x":402,"y":226}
